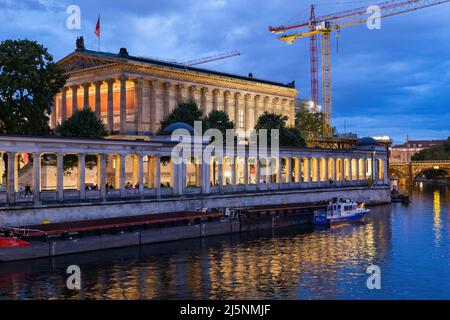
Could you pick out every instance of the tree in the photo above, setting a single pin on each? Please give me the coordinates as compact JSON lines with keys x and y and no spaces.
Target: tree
{"x":83,"y":124}
{"x":310,"y":122}
{"x":29,"y":80}
{"x":437,"y":152}
{"x":187,"y":112}
{"x":288,"y":136}
{"x":217,"y":119}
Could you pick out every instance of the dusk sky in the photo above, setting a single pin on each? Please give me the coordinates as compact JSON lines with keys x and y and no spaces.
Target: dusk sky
{"x":394,"y":81}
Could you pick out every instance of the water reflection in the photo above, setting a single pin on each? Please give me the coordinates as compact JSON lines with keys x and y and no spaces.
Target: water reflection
{"x":295,"y":263}
{"x":437,"y":217}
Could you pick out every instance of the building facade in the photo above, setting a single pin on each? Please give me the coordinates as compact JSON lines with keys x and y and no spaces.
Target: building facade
{"x":402,"y":153}
{"x":132,"y":94}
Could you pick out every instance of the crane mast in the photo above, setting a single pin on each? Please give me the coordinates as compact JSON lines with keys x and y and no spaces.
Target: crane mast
{"x":323,"y":26}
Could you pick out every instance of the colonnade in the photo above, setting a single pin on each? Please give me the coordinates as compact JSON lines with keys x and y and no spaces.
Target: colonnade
{"x":192,"y":176}
{"x":137,"y":104}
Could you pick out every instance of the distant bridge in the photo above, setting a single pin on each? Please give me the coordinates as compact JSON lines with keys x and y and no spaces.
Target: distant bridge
{"x":408,"y":172}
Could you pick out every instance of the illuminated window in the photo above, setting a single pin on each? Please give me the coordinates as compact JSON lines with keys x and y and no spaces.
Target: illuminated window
{"x":241,"y":119}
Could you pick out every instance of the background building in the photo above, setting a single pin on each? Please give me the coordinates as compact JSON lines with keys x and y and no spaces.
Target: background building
{"x":402,"y":153}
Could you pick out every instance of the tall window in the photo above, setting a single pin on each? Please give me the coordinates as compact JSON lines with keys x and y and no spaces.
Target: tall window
{"x":241,"y":119}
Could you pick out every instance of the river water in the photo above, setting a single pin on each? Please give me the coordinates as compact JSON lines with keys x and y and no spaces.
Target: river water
{"x":409,"y":243}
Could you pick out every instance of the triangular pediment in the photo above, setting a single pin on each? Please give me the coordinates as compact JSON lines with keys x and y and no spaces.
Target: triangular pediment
{"x":76,"y":62}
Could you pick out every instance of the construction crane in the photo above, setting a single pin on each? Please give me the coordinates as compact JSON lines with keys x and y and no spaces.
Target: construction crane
{"x":323,"y":26}
{"x":223,"y":56}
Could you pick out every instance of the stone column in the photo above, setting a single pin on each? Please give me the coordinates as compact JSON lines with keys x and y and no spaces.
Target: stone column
{"x":183,"y":177}
{"x":36,"y":178}
{"x":309,"y":171}
{"x":220,"y":164}
{"x":157,"y":181}
{"x":296,"y":170}
{"x":140,"y":161}
{"x":327,"y":175}
{"x":237,"y":107}
{"x":288,"y":170}
{"x":350,"y":170}
{"x":138,"y":110}
{"x":364,"y":168}
{"x":334,"y":169}
{"x":60,"y":176}
{"x":233,"y":172}
{"x":216,"y":99}
{"x":204,"y":102}
{"x":247,"y":112}
{"x":386,"y":172}
{"x":192,"y":93}
{"x":375,"y":171}
{"x":152,"y":114}
{"x":123,"y":105}
{"x":167,"y":86}
{"x":86,"y":95}
{"x":258,"y":173}
{"x":98,"y":95}
{"x":102,"y":168}
{"x":343,"y":169}
{"x":110,"y":106}
{"x":319,"y":171}
{"x":122,"y":175}
{"x":275,"y":106}
{"x":74,"y":99}
{"x":266,"y":104}
{"x":226,"y":104}
{"x":63,"y":112}
{"x":358,"y":175}
{"x":279,"y":181}
{"x":82,"y":175}
{"x":257,"y":110}
{"x":246,"y":164}
{"x":206,"y":176}
{"x":11,"y":177}
{"x":180,"y":88}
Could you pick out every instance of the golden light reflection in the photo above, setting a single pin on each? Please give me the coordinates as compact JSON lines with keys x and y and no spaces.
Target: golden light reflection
{"x":437,"y":223}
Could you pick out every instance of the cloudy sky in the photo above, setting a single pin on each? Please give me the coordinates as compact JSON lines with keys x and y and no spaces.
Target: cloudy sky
{"x":394,"y":81}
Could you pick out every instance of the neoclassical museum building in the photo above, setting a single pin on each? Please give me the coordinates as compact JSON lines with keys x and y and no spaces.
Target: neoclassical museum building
{"x":133,"y":94}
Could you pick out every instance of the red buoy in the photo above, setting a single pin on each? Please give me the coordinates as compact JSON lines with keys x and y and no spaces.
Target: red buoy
{"x":13,"y":243}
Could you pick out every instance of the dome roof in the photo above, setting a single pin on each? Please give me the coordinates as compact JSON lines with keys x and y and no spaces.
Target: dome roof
{"x":367,"y":141}
{"x":175,"y":126}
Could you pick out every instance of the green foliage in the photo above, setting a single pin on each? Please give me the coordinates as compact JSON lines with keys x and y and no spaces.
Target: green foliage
{"x":71,"y":161}
{"x":187,"y":112}
{"x":288,"y":136}
{"x":310,"y":122}
{"x":83,"y":124}
{"x":217,"y":119}
{"x":29,"y":80}
{"x":437,"y":152}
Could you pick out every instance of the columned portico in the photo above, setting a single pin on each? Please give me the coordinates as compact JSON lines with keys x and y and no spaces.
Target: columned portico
{"x":109,"y":170}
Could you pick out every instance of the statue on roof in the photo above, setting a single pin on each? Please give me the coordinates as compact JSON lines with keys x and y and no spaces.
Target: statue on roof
{"x":80,"y":43}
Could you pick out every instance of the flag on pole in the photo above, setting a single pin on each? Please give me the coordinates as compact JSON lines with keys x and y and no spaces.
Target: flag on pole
{"x":97,"y":27}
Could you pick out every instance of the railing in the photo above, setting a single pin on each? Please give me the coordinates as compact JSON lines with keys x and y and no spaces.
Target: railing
{"x":73,"y":196}
{"x":431,"y":162}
